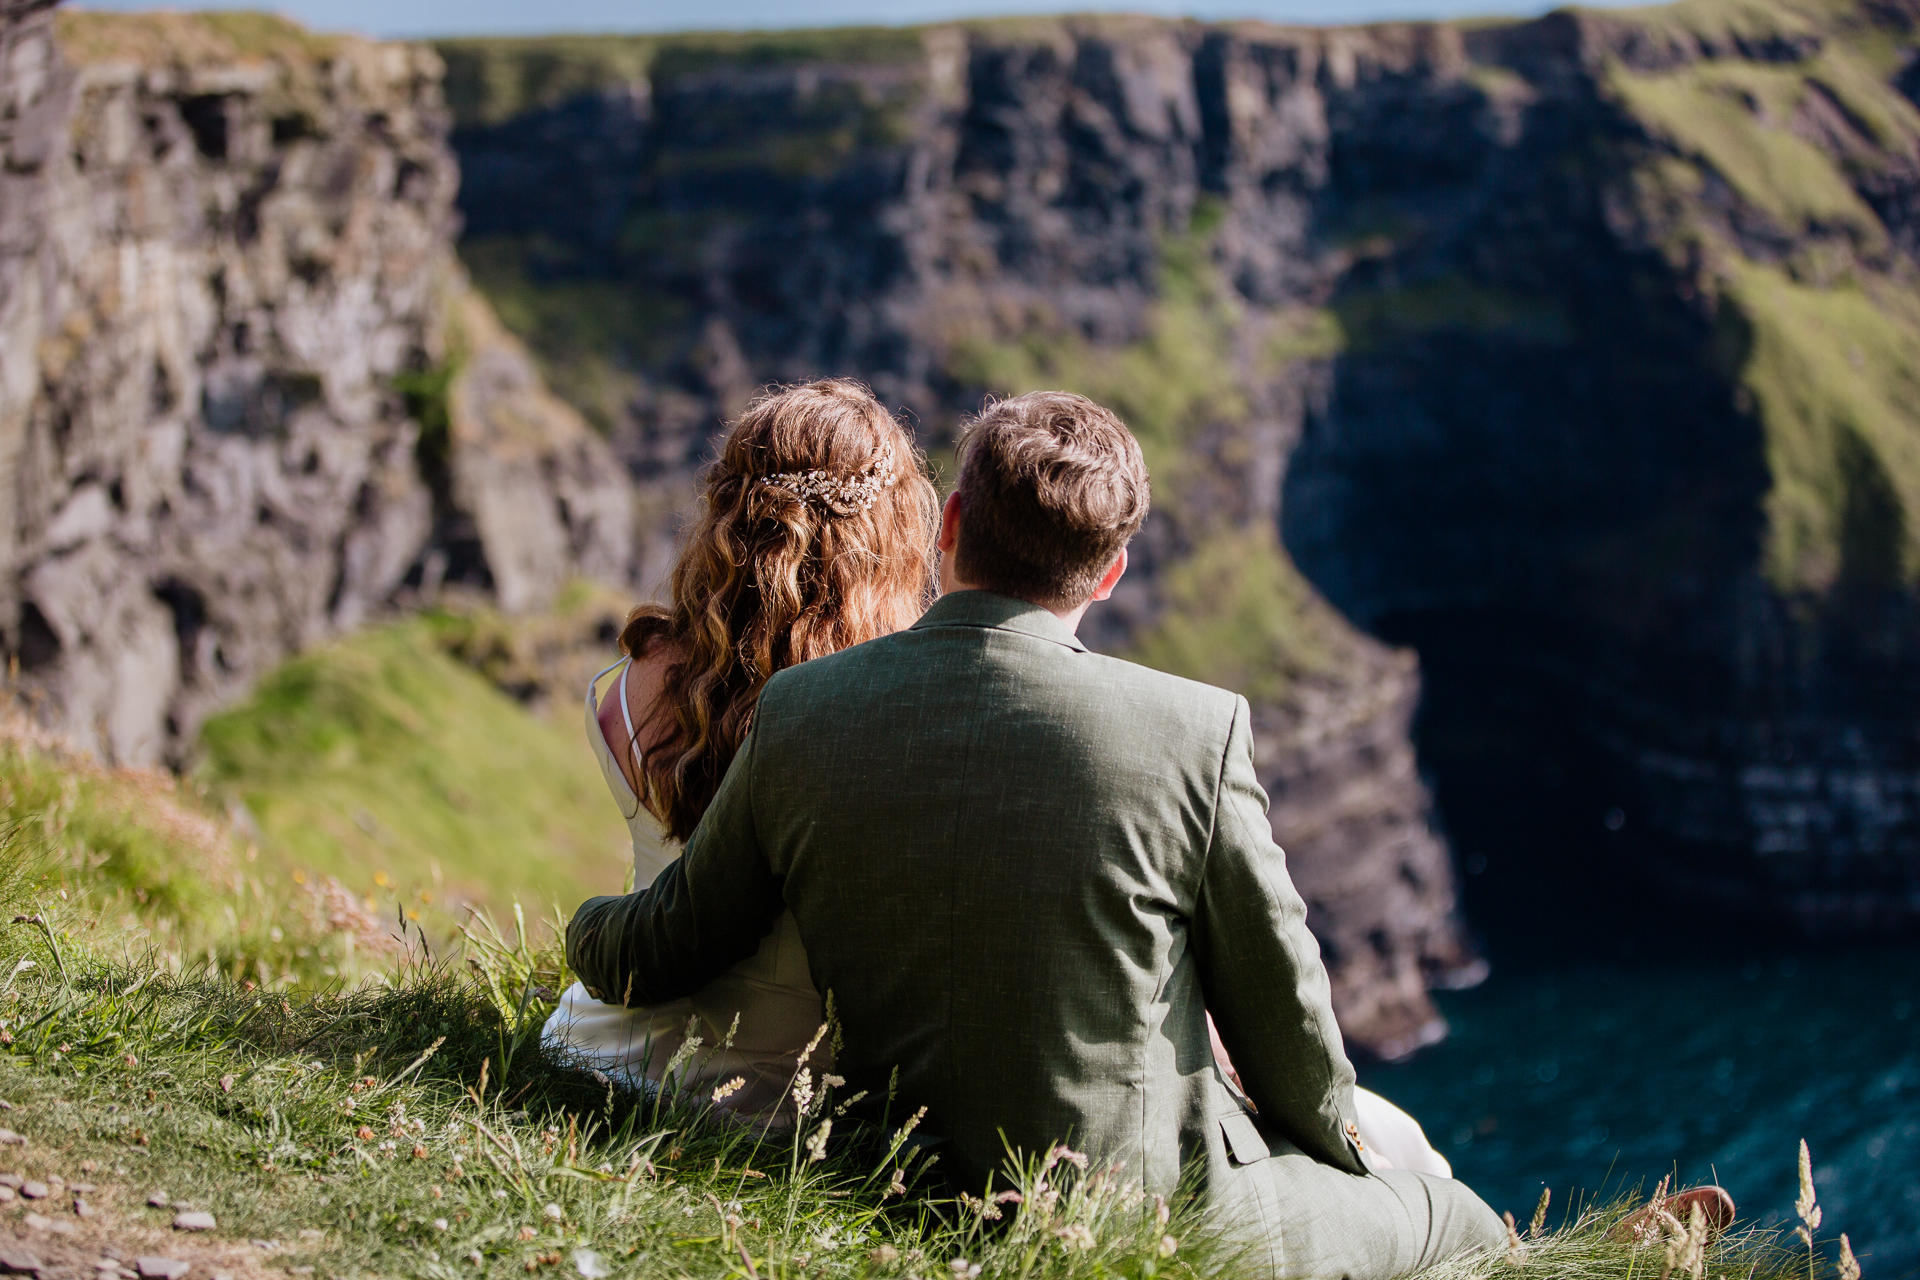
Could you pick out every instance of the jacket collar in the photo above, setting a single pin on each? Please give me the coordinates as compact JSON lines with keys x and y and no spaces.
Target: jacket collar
{"x":999,"y":613}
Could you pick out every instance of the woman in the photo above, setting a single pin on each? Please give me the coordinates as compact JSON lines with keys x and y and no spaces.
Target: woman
{"x":816,"y":533}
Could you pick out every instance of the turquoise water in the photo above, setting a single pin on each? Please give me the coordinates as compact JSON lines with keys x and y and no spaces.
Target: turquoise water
{"x":1588,"y":1077}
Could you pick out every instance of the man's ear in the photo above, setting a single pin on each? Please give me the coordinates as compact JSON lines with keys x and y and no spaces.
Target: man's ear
{"x":949,"y":525}
{"x":1112,"y":578}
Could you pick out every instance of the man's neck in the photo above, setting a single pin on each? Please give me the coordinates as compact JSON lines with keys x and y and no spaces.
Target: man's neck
{"x":1069,"y":617}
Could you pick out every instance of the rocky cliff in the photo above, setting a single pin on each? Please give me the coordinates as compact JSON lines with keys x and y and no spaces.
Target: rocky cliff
{"x":246,"y":397}
{"x":1563,"y":367}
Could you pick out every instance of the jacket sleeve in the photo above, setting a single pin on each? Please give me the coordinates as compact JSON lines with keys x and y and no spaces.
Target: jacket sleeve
{"x":706,"y":912}
{"x":1260,"y":968}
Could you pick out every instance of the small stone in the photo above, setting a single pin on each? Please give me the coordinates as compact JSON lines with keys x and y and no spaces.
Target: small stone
{"x":5,"y":1105}
{"x":6,"y":1195}
{"x":151,"y":1268}
{"x":80,"y":1188}
{"x":89,"y":1166}
{"x":39,"y":1222}
{"x":108,"y":1251}
{"x":12,"y":1180}
{"x":8,"y":1138}
{"x":158,"y":1200}
{"x":198,"y":1220}
{"x":34,"y":1190}
{"x":81,"y":1209}
{"x":16,"y":1261}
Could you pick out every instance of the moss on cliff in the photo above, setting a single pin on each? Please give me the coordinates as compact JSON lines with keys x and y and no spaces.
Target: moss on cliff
{"x":168,"y":38}
{"x":1178,"y":377}
{"x":1737,"y":118}
{"x":587,"y":333}
{"x":492,"y":80}
{"x":1834,"y":377}
{"x":1238,"y":614}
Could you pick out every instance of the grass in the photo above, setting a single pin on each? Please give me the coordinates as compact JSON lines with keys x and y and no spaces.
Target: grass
{"x":1834,"y":375}
{"x":1238,"y":614}
{"x":492,"y":80}
{"x":385,"y":762}
{"x":1176,"y":380}
{"x":173,"y":38}
{"x":417,"y":1127}
{"x":1736,"y":118}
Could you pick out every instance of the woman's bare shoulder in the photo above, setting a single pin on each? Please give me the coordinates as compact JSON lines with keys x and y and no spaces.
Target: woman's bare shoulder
{"x":645,"y":681}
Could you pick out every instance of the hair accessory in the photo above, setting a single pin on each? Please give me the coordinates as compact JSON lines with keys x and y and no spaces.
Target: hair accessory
{"x":841,"y":496}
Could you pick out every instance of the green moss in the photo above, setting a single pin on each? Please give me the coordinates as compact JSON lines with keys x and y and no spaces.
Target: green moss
{"x":588,"y":333}
{"x":164,"y":38}
{"x":1375,"y":318}
{"x":490,"y":81}
{"x":380,"y":759}
{"x":1177,"y":378}
{"x":1873,"y":105}
{"x":1313,"y":333}
{"x":1237,"y":614}
{"x":1736,"y":117}
{"x":1834,"y":378}
{"x":425,"y":392}
{"x":1725,"y":24}
{"x":843,"y":46}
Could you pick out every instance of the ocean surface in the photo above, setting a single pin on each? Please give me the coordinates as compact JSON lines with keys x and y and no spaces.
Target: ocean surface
{"x":1587,"y":1078}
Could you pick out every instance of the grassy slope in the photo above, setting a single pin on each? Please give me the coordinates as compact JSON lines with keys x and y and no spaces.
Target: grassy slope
{"x":416,"y":1128}
{"x":1831,"y":331}
{"x":383,"y":761}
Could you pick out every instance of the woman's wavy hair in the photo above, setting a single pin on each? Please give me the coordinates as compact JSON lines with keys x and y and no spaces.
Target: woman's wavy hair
{"x":781,"y":566}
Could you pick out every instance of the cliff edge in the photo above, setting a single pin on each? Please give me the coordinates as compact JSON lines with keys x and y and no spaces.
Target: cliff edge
{"x":246,"y":396}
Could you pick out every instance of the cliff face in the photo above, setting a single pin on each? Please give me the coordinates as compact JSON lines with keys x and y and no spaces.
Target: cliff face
{"x":245,"y":394}
{"x":1573,"y":356}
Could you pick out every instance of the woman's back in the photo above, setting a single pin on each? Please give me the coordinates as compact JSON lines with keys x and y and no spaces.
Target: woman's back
{"x":770,"y":992}
{"x":816,"y":533}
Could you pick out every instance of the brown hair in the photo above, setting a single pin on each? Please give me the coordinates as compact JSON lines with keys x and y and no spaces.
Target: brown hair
{"x":1052,"y":486}
{"x":815,"y":533}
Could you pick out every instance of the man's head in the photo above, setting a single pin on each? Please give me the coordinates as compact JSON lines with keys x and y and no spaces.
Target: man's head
{"x":1052,"y":486}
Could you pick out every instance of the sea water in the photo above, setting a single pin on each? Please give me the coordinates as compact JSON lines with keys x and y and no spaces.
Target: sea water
{"x":1591,"y":1078}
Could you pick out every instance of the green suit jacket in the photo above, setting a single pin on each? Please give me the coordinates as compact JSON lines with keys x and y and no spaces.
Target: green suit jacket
{"x":1024,"y":871}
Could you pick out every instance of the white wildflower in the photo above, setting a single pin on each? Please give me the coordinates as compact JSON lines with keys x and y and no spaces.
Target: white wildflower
{"x":817,"y":1143}
{"x":1075,"y":1236}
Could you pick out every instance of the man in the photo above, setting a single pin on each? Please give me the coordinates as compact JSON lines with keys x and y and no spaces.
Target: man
{"x":1026,"y":872}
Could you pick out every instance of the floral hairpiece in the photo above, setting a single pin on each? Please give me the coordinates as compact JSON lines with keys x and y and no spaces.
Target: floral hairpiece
{"x":840,"y":495}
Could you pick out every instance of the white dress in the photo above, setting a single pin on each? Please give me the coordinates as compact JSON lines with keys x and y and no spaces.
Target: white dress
{"x":771,"y":991}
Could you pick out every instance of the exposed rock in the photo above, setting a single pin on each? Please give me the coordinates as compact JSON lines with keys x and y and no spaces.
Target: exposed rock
{"x":194,"y":1220}
{"x":19,"y":1262}
{"x":226,"y":304}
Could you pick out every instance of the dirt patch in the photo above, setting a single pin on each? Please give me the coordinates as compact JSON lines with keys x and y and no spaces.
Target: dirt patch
{"x":118,"y":1226}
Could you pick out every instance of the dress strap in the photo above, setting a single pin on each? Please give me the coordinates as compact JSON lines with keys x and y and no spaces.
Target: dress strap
{"x":626,"y":707}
